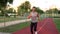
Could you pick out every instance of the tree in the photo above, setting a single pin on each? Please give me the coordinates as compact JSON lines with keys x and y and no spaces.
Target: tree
{"x":24,"y":7}
{"x":59,"y":12}
{"x":9,"y":10}
{"x":39,"y":10}
{"x":54,"y":10}
{"x":3,"y":4}
{"x":49,"y":11}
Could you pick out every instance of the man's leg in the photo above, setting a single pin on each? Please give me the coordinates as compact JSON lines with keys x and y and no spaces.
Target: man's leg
{"x":35,"y":28}
{"x":31,"y":28}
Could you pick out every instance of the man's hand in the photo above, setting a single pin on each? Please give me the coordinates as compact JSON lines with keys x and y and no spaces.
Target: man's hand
{"x":29,"y":17}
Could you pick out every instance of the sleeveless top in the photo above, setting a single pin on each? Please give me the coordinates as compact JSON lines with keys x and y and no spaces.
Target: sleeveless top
{"x":34,"y":17}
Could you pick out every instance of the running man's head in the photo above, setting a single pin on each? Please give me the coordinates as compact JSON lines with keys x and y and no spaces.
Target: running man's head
{"x":33,"y":9}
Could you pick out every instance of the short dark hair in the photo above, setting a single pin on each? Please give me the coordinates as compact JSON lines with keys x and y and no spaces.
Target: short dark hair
{"x":34,"y":7}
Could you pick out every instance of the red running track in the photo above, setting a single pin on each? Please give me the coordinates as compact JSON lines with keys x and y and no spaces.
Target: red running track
{"x":48,"y":28}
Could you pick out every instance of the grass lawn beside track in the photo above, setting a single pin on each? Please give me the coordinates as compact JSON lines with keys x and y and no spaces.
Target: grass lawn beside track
{"x":57,"y":22}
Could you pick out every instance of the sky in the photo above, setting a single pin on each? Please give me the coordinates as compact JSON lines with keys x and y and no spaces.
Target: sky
{"x":42,"y":4}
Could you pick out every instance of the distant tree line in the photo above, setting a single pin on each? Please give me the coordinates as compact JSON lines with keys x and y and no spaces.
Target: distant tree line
{"x":54,"y":10}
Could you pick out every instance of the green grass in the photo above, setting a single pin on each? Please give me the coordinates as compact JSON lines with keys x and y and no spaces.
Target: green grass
{"x":57,"y":22}
{"x":14,"y":28}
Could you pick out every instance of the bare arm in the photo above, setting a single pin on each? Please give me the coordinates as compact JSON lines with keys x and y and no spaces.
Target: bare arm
{"x":38,"y":17}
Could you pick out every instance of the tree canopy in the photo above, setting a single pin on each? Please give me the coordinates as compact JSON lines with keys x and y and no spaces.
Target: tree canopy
{"x":3,"y":3}
{"x":24,"y":7}
{"x":39,"y":10}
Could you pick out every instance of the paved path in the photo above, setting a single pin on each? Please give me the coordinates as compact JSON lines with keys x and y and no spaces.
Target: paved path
{"x":13,"y":22}
{"x":4,"y":33}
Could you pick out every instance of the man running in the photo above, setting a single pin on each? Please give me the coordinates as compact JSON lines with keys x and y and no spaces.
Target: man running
{"x":34,"y":19}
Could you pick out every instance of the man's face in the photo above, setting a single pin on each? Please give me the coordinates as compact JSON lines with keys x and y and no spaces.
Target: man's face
{"x":33,"y":9}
